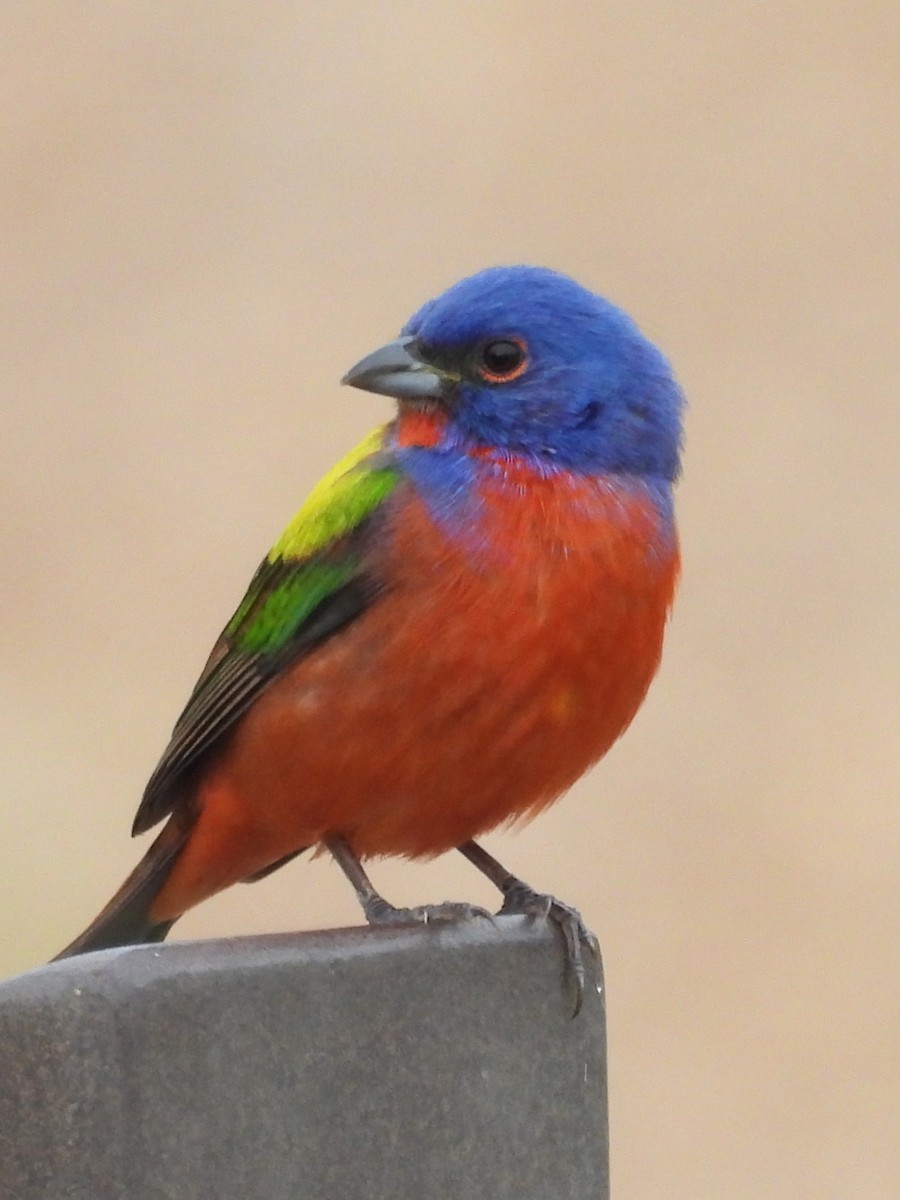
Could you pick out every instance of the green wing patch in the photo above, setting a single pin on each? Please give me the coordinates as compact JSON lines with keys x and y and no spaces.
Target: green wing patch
{"x":339,"y":501}
{"x":271,"y":617}
{"x":312,"y":583}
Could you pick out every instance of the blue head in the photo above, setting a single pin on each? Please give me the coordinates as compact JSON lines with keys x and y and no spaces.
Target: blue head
{"x":526,"y":361}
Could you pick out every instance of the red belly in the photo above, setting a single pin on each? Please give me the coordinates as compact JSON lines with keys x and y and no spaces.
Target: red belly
{"x":475,"y":691}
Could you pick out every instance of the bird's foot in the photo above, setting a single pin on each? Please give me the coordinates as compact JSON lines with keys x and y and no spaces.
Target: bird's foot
{"x":379,"y":912}
{"x":522,"y":899}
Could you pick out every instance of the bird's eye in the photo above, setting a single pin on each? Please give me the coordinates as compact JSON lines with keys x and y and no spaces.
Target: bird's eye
{"x":502,"y":359}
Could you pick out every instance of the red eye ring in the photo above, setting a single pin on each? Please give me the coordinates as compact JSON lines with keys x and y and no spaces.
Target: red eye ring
{"x":501,"y":360}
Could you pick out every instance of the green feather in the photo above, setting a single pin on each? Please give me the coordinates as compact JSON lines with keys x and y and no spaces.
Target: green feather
{"x":279,"y":611}
{"x":339,"y":501}
{"x":313,"y":557}
{"x":308,"y":563}
{"x":313,"y":581}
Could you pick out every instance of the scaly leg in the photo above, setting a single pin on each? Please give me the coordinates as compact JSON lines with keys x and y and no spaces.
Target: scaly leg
{"x":519,"y":897}
{"x":378,"y":911}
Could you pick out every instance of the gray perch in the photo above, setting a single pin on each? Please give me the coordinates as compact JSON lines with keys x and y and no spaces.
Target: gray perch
{"x":359,"y":1064}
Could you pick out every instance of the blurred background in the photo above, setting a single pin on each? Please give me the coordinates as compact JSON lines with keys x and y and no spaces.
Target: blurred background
{"x":210,"y":210}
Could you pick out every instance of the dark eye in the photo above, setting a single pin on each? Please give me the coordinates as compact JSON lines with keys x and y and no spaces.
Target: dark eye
{"x":502,"y":359}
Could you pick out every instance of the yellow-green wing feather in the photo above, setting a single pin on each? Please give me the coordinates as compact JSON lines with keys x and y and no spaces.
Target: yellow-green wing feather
{"x":339,"y":501}
{"x":311,"y":583}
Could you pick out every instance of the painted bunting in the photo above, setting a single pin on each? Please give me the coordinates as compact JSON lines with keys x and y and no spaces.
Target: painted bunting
{"x":462,"y":618}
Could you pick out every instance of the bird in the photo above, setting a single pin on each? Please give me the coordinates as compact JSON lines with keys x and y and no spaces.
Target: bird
{"x":462,"y":618}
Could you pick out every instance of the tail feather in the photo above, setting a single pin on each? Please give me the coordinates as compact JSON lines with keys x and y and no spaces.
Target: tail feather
{"x":125,"y":920}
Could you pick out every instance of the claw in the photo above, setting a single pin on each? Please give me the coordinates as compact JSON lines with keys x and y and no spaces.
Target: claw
{"x":379,"y":912}
{"x":520,"y":898}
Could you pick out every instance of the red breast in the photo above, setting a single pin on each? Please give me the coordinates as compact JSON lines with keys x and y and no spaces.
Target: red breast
{"x":474,"y":691}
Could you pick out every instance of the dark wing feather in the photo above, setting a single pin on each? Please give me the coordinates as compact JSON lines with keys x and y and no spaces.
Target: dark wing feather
{"x":235,"y":676}
{"x":316,"y":579}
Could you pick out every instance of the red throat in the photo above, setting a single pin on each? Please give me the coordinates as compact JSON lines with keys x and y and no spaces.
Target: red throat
{"x":420,"y":426}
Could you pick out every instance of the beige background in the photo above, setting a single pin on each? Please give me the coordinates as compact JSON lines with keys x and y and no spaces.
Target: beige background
{"x":210,"y":210}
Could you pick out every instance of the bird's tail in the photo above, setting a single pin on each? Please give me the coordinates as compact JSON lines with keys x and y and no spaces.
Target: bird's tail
{"x":126,"y":921}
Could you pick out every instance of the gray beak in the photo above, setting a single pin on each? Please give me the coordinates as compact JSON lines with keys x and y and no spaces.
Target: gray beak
{"x":395,"y":370}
